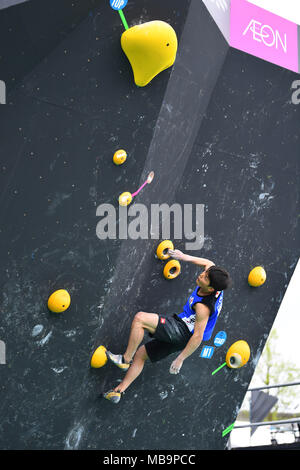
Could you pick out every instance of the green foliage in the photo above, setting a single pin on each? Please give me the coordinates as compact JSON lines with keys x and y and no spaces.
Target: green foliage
{"x":273,"y":369}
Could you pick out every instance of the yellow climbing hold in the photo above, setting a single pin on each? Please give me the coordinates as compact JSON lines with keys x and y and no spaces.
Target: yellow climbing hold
{"x":238,"y":354}
{"x":172,"y":269}
{"x":257,"y":276}
{"x":119,"y":157}
{"x":59,"y":301}
{"x":99,"y":358}
{"x":162,"y":249}
{"x":150,"y":48}
{"x":125,"y":199}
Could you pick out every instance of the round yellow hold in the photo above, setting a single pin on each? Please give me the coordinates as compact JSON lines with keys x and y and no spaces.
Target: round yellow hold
{"x":119,"y":157}
{"x":59,"y":301}
{"x":257,"y":276}
{"x":125,"y":199}
{"x":162,"y":249}
{"x":172,"y":269}
{"x":99,"y":358}
{"x":238,"y":354}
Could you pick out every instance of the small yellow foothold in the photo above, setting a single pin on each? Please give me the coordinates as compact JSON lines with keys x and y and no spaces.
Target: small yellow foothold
{"x":125,"y":199}
{"x":59,"y":301}
{"x":99,"y":358}
{"x":119,"y":157}
{"x":150,"y":48}
{"x":257,"y":276}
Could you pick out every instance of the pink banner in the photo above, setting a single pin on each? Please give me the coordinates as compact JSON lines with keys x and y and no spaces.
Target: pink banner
{"x":264,"y":35}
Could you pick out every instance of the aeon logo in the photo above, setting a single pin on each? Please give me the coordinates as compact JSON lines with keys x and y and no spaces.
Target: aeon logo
{"x":266,"y":35}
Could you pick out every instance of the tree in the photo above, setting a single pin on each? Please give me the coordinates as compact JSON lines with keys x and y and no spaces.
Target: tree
{"x":273,"y":369}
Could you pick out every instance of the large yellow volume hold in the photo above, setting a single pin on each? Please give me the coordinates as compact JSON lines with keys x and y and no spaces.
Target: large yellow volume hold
{"x":150,"y":48}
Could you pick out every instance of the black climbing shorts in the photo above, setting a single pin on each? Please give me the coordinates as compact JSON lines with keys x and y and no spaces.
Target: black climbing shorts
{"x":171,"y":335}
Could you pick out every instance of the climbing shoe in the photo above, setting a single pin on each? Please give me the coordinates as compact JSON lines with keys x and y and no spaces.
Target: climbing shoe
{"x":118,"y":360}
{"x":113,"y":396}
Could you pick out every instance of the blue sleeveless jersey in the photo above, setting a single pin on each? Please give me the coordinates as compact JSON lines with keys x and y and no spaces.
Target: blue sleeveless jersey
{"x":188,"y":315}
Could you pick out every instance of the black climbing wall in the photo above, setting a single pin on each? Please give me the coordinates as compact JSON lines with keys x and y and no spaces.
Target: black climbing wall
{"x":218,"y":129}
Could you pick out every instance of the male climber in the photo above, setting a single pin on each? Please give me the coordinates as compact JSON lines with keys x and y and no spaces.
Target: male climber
{"x":179,"y":332}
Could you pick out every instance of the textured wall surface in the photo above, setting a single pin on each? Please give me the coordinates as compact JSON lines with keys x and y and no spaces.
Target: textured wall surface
{"x":218,"y":129}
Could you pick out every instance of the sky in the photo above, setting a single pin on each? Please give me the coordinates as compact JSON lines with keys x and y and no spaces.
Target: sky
{"x":289,"y":313}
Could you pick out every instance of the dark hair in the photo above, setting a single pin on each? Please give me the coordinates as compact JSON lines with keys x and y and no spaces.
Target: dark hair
{"x":219,"y":278}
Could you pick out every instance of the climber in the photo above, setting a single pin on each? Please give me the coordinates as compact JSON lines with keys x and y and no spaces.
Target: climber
{"x":179,"y":332}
